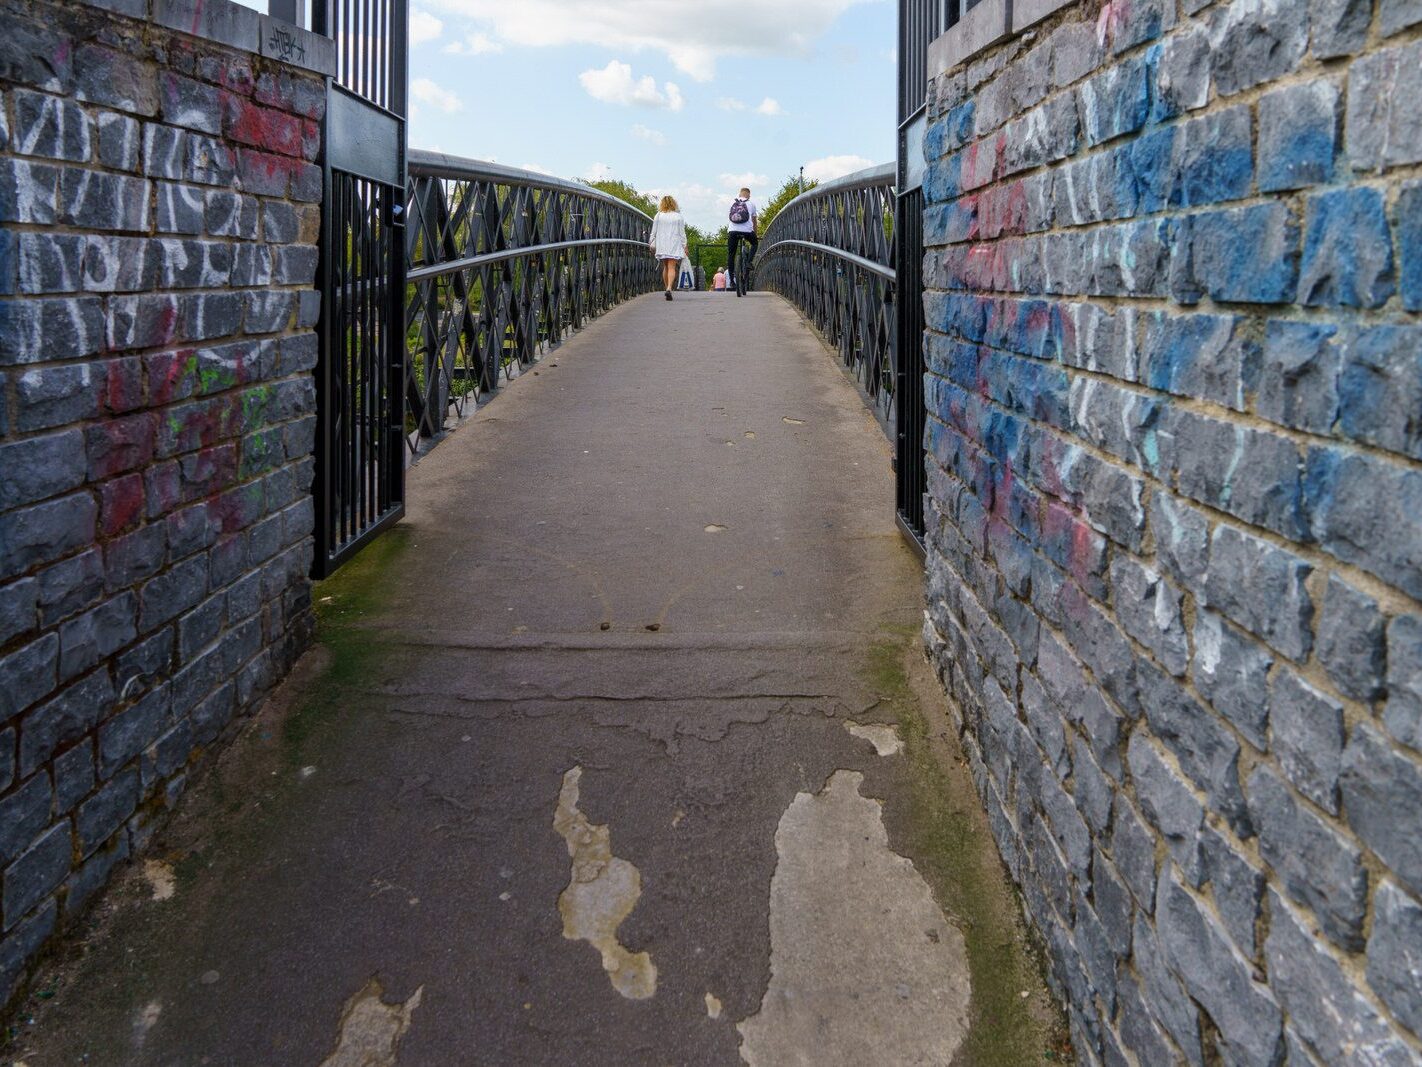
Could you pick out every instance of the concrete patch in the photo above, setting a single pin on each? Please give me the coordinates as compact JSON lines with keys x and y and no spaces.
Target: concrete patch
{"x":602,"y":892}
{"x":159,"y":877}
{"x":883,"y":737}
{"x":145,"y":1020}
{"x":864,"y":968}
{"x":371,"y":1029}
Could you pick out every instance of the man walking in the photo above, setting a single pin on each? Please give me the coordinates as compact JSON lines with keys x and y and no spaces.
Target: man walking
{"x":745,"y":219}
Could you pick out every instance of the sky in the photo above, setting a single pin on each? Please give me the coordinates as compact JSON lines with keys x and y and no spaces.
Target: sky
{"x":677,"y":96}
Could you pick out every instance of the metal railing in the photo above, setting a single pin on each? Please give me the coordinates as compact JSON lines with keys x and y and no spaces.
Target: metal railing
{"x":830,"y":252}
{"x":502,"y":264}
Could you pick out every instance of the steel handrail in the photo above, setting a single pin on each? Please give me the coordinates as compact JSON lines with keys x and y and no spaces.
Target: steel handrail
{"x":420,"y":274}
{"x":831,"y":253}
{"x":503,"y":264}
{"x":881,"y":174}
{"x":422,"y":164}
{"x":830,"y":250}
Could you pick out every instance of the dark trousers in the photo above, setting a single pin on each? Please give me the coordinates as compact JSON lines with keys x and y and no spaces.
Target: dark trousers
{"x":733,"y":244}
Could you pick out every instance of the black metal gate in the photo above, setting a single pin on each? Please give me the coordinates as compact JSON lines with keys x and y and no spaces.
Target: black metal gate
{"x":360,"y":457}
{"x":919,"y":23}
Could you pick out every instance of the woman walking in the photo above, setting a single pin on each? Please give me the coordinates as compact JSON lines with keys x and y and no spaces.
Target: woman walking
{"x":668,"y":241}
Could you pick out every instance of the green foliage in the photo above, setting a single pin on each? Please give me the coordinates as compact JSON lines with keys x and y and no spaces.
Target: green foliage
{"x":628,"y":194}
{"x":788,"y":192}
{"x":708,"y":251}
{"x":708,"y":247}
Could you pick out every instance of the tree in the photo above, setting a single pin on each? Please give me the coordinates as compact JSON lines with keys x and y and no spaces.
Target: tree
{"x":626,"y":193}
{"x":788,"y":192}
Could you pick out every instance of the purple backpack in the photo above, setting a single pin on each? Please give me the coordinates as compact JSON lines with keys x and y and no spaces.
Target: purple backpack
{"x":740,"y":213}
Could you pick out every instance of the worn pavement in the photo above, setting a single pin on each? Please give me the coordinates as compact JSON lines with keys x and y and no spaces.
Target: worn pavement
{"x":570,"y":778}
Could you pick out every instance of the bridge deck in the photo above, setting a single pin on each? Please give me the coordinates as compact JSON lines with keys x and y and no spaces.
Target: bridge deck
{"x":667,"y":558}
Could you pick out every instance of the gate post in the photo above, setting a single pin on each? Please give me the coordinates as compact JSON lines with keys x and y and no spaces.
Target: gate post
{"x":360,"y":462}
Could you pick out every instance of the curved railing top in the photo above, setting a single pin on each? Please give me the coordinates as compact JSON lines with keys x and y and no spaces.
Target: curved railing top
{"x":831,"y":253}
{"x":849,"y":218}
{"x":423,"y":164}
{"x":883,"y":174}
{"x":501,"y":264}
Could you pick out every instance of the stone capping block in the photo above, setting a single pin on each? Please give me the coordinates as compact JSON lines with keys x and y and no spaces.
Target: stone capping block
{"x":1027,"y":13}
{"x":235,"y":26}
{"x":984,"y":26}
{"x":979,"y":29}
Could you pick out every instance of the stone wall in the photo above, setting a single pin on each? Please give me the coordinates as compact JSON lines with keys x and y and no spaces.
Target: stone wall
{"x":1175,"y":518}
{"x":159,"y":199}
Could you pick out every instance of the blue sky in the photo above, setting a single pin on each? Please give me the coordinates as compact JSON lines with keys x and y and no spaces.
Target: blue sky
{"x":670,"y":95}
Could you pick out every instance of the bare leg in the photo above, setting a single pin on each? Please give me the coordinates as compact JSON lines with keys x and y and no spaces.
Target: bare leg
{"x":669,"y":269}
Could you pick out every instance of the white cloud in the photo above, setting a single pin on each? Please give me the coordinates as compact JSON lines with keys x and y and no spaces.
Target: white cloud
{"x":831,"y":167}
{"x":597,"y":172}
{"x":427,"y":92}
{"x":733,"y":183}
{"x":707,"y":204}
{"x":423,"y":27}
{"x":645,"y":133}
{"x":476,"y":44}
{"x":769,"y":106}
{"x":615,"y":84}
{"x":537,"y":168}
{"x":703,"y":205}
{"x":692,"y":35}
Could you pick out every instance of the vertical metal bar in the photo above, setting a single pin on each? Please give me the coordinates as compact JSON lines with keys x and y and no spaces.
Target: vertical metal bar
{"x":321,"y":489}
{"x":349,"y":329}
{"x":341,"y":296}
{"x":383,"y":330}
{"x":343,"y":32}
{"x":363,"y":274}
{"x":394,"y":408}
{"x":400,"y":57}
{"x":369,"y":351}
{"x":362,"y":8}
{"x":357,"y":284}
{"x":285,"y":10}
{"x":336,"y":354}
{"x":383,"y":81}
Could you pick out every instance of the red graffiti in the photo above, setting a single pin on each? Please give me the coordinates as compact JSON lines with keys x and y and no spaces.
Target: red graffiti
{"x":123,"y":385}
{"x":269,"y":166}
{"x":172,"y":375}
{"x":263,"y":127}
{"x":1002,"y":492}
{"x":231,"y":510}
{"x":120,"y":504}
{"x":117,"y":445}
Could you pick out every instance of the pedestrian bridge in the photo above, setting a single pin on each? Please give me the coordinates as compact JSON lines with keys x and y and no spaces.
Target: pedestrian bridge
{"x":501,"y":265}
{"x":616,"y":742}
{"x":611,"y":751}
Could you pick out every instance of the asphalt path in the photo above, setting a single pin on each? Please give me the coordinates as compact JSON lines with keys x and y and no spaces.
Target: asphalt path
{"x":570,"y":778}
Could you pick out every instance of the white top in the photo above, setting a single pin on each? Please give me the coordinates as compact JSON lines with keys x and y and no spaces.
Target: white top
{"x":668,"y":235}
{"x":749,"y":225}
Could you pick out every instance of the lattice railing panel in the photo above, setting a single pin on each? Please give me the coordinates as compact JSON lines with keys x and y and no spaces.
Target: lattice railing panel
{"x":830,"y":252}
{"x":502,"y":265}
